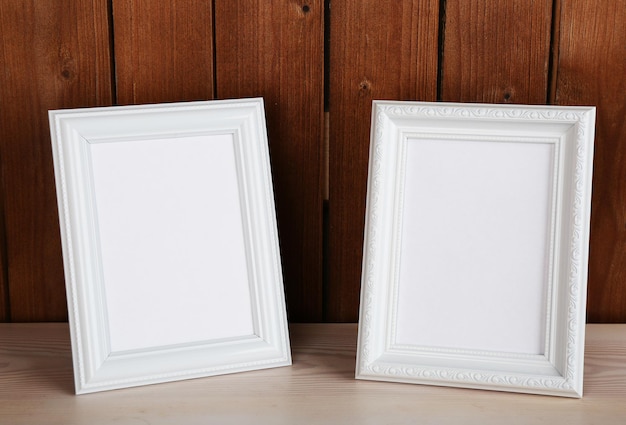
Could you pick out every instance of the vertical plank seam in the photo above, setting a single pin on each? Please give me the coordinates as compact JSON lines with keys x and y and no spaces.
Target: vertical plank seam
{"x":112,"y":51}
{"x":214,"y":42}
{"x":440,"y":44}
{"x":326,"y":158}
{"x":553,"y":61}
{"x":326,"y":54}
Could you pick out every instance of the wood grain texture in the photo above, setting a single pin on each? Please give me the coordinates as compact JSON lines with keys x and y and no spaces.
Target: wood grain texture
{"x":55,"y":54}
{"x":496,"y":51}
{"x":37,"y":387}
{"x":275,"y":50}
{"x":378,"y":50}
{"x":591,"y":70}
{"x":163,"y":50}
{"x":59,"y":54}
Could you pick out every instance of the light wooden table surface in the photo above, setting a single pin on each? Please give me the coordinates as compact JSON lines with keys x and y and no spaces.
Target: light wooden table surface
{"x":36,"y":387}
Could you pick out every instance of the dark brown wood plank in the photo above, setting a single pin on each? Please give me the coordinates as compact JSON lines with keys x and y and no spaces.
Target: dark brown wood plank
{"x":275,"y":50}
{"x":55,"y":54}
{"x":591,"y":70}
{"x":496,"y":51}
{"x":163,"y":50}
{"x":378,"y":50}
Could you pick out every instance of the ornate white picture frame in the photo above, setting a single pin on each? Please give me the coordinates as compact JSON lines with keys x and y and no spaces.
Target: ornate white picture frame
{"x":170,"y":242}
{"x":476,"y":246}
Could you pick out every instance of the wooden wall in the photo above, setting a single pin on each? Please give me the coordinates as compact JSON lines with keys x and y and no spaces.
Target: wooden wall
{"x":316,"y":63}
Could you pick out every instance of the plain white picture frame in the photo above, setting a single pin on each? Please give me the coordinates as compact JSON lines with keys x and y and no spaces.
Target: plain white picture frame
{"x":476,"y":246}
{"x":170,"y":242}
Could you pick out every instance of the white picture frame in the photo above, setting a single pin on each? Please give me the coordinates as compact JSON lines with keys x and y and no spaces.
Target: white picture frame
{"x":476,"y":246}
{"x":170,"y":242}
